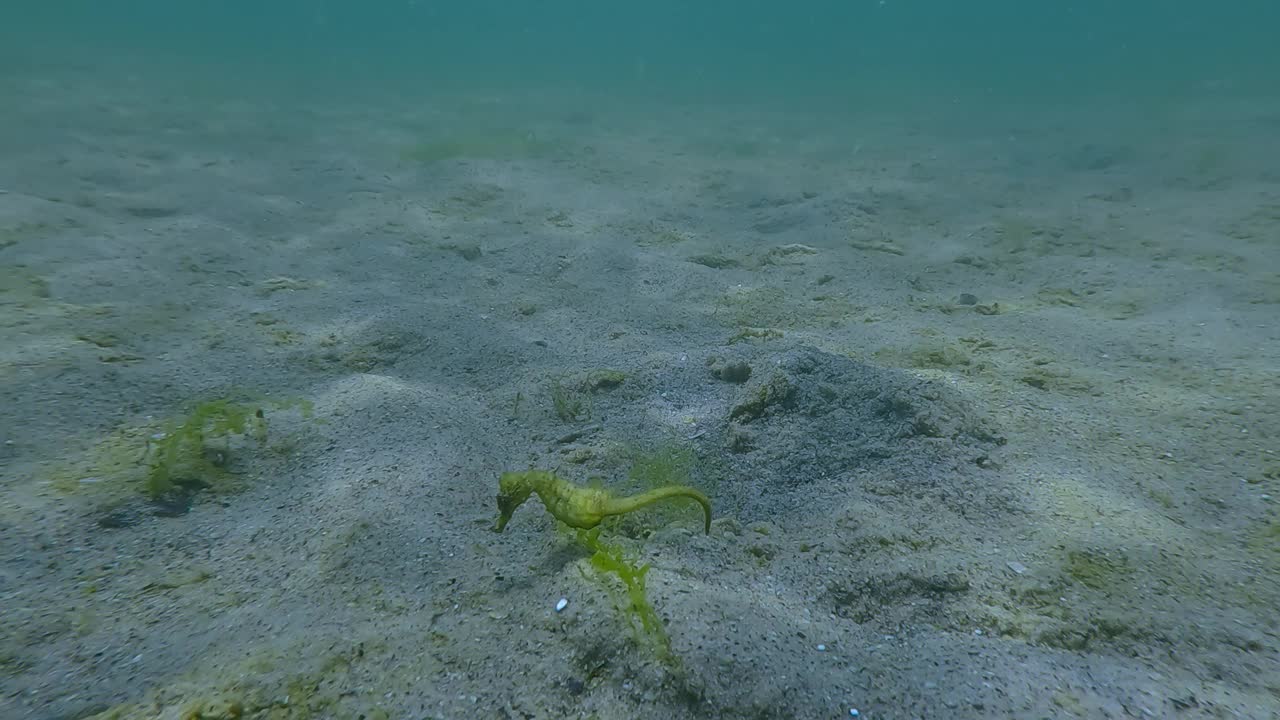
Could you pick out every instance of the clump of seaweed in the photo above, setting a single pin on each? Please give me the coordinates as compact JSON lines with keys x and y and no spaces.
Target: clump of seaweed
{"x":631,"y":599}
{"x":570,"y":405}
{"x":194,"y":450}
{"x":180,"y":454}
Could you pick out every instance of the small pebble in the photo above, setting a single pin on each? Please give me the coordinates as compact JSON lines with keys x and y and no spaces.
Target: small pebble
{"x":1016,"y":566}
{"x":564,"y":603}
{"x":853,"y":712}
{"x":822,"y":648}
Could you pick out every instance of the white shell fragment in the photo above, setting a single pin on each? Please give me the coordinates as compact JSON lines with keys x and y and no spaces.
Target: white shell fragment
{"x":1016,"y":566}
{"x":564,"y":603}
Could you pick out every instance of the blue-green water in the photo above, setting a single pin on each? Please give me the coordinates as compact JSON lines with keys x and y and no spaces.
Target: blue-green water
{"x":841,"y":52}
{"x":962,"y":314}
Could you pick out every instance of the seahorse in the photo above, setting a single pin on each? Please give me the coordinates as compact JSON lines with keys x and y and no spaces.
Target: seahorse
{"x":577,"y":506}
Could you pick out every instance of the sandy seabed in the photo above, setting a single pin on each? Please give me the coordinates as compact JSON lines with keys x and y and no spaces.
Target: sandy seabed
{"x":987,"y":407}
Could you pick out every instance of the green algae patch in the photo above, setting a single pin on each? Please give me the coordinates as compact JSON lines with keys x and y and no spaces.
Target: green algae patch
{"x":180,"y":454}
{"x":22,"y":286}
{"x":1096,"y":570}
{"x":112,"y":468}
{"x":268,"y":685}
{"x":663,"y":464}
{"x":1264,"y":541}
{"x":776,"y":308}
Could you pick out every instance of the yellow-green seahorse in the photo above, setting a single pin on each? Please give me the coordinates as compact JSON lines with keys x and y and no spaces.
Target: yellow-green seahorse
{"x":577,"y":506}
